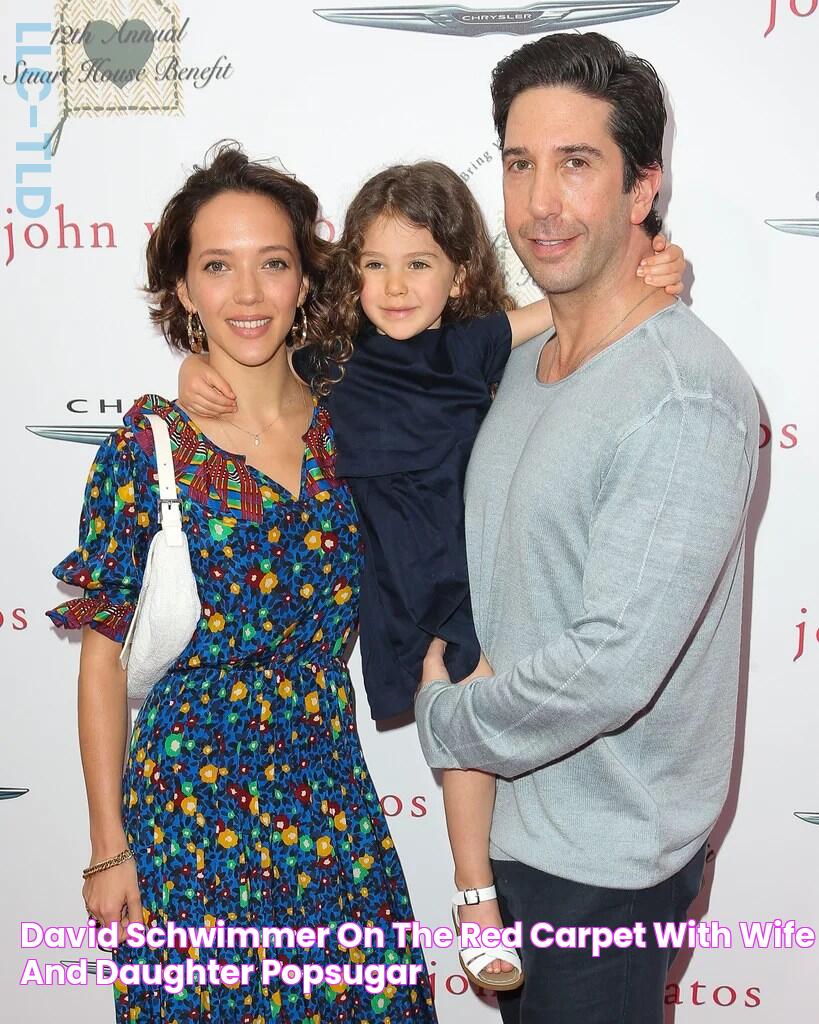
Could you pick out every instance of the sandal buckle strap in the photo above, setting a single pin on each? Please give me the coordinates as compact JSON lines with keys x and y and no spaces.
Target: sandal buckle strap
{"x":472,"y":897}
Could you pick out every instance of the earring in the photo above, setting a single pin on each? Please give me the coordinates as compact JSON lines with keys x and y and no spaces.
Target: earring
{"x":196,"y":334}
{"x":302,"y":330}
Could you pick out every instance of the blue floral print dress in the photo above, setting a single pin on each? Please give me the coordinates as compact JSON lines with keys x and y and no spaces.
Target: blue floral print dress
{"x":246,"y":797}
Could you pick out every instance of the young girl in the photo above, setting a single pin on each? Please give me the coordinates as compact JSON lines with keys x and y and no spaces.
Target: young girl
{"x":415,"y":286}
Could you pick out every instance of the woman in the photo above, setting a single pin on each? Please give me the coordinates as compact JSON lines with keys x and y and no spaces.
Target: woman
{"x":245,"y":796}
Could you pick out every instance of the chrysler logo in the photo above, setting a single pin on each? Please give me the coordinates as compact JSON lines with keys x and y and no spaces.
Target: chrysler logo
{"x":79,"y":434}
{"x":811,"y":819}
{"x":796,"y":227}
{"x":468,"y":21}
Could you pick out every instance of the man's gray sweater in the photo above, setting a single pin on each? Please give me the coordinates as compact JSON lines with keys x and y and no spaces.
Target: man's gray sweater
{"x":605,"y":518}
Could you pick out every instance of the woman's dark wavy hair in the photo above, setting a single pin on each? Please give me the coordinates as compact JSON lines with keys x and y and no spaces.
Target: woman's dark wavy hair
{"x":430,"y":195}
{"x":596,"y":66}
{"x":227,"y":169}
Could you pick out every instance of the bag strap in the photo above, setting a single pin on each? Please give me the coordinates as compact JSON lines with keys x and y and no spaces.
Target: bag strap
{"x":170,"y":517}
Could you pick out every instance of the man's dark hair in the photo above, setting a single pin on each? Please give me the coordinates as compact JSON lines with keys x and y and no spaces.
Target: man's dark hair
{"x":595,"y":66}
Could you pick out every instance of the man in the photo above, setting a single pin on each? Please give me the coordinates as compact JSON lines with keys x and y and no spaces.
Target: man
{"x":607,"y":496}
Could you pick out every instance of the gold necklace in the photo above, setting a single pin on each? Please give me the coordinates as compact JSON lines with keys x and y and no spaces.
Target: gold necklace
{"x":257,"y":434}
{"x":608,"y":333}
{"x":257,"y":438}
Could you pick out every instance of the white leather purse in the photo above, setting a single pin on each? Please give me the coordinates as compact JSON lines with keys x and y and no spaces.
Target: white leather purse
{"x":168,"y":609}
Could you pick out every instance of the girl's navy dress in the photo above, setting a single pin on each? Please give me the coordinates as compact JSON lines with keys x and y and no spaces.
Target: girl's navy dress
{"x":405,"y":415}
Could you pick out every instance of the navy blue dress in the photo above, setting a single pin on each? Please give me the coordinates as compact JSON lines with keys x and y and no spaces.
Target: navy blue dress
{"x":405,"y":417}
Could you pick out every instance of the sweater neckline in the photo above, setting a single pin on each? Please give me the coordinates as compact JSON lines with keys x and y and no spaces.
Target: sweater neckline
{"x":595,"y":358}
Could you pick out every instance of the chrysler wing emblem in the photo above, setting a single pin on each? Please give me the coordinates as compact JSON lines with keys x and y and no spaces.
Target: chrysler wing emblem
{"x":466,"y":21}
{"x":796,"y":227}
{"x":811,"y":819}
{"x":78,"y":434}
{"x":9,"y":793}
{"x":90,"y":965}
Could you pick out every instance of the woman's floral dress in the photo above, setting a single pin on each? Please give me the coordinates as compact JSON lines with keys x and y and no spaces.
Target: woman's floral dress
{"x":246,"y":796}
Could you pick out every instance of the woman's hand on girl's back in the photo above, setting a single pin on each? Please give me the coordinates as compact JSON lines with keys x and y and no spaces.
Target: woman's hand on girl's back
{"x":204,"y":391}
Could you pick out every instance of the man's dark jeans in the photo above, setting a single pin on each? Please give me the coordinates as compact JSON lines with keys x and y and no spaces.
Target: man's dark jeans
{"x":569,"y":986}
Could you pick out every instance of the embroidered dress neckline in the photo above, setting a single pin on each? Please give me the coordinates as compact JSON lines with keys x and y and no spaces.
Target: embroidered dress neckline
{"x":268,"y":481}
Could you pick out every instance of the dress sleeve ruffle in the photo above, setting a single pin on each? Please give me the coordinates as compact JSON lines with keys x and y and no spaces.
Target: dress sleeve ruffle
{"x":116,"y":525}
{"x":98,"y":612}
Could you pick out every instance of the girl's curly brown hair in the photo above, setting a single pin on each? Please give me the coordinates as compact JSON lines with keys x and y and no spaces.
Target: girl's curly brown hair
{"x":430,"y":195}
{"x":227,"y":169}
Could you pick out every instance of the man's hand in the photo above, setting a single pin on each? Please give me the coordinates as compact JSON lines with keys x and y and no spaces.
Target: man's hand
{"x":434,"y":668}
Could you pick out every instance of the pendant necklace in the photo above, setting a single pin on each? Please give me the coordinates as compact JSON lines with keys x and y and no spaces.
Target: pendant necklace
{"x":608,"y":334}
{"x":257,"y":434}
{"x":257,"y":438}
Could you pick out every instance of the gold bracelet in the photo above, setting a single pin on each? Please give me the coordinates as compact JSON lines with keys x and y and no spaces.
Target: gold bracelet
{"x":110,"y":863}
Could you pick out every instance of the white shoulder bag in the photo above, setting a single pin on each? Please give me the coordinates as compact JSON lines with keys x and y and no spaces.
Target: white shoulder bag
{"x":168,"y":609}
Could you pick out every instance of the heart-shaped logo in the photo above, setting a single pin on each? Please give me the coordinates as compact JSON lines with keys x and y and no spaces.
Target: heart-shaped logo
{"x":119,"y":53}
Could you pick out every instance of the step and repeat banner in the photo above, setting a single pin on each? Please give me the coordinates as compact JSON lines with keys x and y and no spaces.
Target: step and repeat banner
{"x":105,"y":108}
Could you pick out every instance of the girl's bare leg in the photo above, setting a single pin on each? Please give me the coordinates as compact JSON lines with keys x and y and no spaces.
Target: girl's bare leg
{"x":469,"y":797}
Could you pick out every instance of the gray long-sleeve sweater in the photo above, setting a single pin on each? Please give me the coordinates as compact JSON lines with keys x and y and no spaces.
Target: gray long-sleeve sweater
{"x":605,"y":518}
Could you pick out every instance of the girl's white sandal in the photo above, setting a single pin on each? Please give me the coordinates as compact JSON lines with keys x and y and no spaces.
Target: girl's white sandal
{"x":475,"y":959}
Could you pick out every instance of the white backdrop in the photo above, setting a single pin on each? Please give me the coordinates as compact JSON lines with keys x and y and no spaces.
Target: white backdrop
{"x":335,"y":102}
